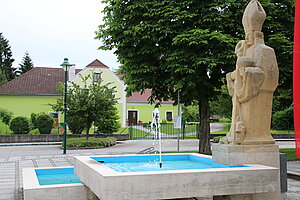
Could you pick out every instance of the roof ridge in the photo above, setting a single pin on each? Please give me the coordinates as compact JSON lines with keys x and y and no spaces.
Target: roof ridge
{"x":97,"y":63}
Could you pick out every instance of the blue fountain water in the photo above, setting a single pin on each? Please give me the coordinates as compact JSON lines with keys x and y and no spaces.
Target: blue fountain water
{"x":56,"y":176}
{"x":151,"y":163}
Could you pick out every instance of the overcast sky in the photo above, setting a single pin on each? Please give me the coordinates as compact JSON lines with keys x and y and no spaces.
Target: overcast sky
{"x":51,"y":30}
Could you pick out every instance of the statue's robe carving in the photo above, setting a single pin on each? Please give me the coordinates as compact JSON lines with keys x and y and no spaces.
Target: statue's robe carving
{"x":252,"y":83}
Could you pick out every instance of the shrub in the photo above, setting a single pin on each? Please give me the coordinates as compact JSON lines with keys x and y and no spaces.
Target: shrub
{"x":91,"y":142}
{"x":108,"y":123}
{"x":76,"y":124}
{"x":5,"y":116}
{"x":44,"y":123}
{"x":217,"y":139}
{"x":19,"y":125}
{"x":283,"y":120}
{"x":33,"y":118}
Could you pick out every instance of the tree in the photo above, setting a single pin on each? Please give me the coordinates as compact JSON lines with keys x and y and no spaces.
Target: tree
{"x":3,"y":78}
{"x":183,"y":45}
{"x":222,"y":104}
{"x":191,"y":113}
{"x":89,"y":102}
{"x":108,"y":123}
{"x":26,"y":64}
{"x":6,"y":59}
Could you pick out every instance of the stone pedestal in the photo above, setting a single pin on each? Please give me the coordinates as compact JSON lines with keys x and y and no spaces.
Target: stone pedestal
{"x":248,"y":154}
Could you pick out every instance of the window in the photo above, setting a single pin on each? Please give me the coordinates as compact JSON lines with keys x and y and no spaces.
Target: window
{"x":96,"y":77}
{"x":169,"y":115}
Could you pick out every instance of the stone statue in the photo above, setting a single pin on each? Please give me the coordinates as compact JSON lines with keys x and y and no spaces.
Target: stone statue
{"x":252,"y":83}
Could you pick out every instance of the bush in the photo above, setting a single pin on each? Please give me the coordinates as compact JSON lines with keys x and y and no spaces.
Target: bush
{"x":4,"y":129}
{"x":33,"y":118}
{"x":19,"y":125}
{"x":108,"y":123}
{"x":283,"y":120}
{"x":5,"y":116}
{"x":91,"y":142}
{"x":217,"y":139}
{"x":44,"y":123}
{"x":76,"y":124}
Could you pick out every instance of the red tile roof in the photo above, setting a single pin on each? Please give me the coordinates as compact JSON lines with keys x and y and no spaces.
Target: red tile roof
{"x":38,"y":81}
{"x":42,"y":81}
{"x":137,"y":97}
{"x":97,"y":63}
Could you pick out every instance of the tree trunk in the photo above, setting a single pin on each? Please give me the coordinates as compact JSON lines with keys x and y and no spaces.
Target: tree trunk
{"x":204,"y":135}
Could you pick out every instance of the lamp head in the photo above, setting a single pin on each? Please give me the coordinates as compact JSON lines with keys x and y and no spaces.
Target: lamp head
{"x":66,"y":65}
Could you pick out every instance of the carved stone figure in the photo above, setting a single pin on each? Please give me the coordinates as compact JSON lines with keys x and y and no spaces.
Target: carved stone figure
{"x":252,"y":83}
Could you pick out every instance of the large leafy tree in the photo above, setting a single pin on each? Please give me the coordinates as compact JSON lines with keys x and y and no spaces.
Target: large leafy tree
{"x":88,"y":103}
{"x":185,"y":45}
{"x":6,"y":59}
{"x":26,"y":64}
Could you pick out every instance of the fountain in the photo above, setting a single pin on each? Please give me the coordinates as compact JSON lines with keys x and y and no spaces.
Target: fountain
{"x":245,"y":165}
{"x":155,"y":124}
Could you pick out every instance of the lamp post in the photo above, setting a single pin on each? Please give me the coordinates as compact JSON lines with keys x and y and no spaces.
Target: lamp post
{"x":66,"y":66}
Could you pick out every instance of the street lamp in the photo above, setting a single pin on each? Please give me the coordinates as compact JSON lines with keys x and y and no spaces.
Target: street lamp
{"x":66,"y":66}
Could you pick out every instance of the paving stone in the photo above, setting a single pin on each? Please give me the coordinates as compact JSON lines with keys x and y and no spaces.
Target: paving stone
{"x":15,"y":158}
{"x":30,"y":157}
{"x":45,"y":156}
{"x":44,"y":163}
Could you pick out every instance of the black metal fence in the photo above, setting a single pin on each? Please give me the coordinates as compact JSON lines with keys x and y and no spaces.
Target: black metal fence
{"x":144,"y":131}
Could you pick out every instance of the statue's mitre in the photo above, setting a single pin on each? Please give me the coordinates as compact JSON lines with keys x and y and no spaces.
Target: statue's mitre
{"x":254,"y":16}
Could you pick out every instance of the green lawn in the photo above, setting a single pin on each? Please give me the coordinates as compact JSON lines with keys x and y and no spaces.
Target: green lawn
{"x":290,"y":154}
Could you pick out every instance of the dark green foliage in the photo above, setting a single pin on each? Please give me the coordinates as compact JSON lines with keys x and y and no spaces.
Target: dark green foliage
{"x":221,"y":105}
{"x":217,"y":139}
{"x":90,"y":142}
{"x":188,"y":45}
{"x":191,"y":113}
{"x":3,"y":78}
{"x":44,"y":123}
{"x":20,"y":125}
{"x":76,"y":124}
{"x":5,"y":116}
{"x":26,"y":64}
{"x":283,"y":120}
{"x":89,"y":104}
{"x":33,"y":117}
{"x":108,"y":123}
{"x":6,"y":59}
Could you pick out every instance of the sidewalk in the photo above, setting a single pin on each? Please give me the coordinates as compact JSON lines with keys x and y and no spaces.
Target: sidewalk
{"x":14,"y":158}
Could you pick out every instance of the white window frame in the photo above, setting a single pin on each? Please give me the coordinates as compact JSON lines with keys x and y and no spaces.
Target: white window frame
{"x":169,"y":111}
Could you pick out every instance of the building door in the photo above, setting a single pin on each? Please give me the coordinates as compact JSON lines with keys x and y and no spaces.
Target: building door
{"x":132,"y":117}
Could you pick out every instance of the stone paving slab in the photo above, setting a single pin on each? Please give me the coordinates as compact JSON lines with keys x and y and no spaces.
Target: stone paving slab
{"x":14,"y":159}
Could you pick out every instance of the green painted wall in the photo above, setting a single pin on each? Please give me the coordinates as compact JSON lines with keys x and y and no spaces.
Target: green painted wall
{"x":107,"y":77}
{"x":145,"y":111}
{"x":25,"y":105}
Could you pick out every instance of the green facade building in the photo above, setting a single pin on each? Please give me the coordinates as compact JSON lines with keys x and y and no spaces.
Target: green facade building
{"x":34,"y":91}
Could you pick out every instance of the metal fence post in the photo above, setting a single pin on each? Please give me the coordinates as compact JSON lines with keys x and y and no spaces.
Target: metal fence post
{"x":130,"y":131}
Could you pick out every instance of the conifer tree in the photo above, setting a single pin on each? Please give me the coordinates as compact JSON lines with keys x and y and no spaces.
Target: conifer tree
{"x":6,"y":59}
{"x":26,"y":64}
